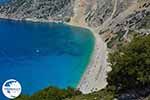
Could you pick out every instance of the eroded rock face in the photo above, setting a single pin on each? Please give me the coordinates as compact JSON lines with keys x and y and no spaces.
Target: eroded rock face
{"x":100,"y":14}
{"x":114,"y":19}
{"x":39,"y":9}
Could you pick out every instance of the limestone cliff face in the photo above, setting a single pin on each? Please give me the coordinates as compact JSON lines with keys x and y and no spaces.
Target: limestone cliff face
{"x":38,"y":9}
{"x":113,"y":19}
{"x":117,"y":20}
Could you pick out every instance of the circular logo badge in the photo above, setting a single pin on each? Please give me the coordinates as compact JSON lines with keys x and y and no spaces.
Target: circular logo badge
{"x":11,"y":89}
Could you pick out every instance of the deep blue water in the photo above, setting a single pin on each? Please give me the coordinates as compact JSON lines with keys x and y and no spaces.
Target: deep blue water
{"x":39,"y":55}
{"x":4,"y":1}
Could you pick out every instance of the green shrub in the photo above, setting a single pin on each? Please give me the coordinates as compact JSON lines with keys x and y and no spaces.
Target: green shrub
{"x":131,"y":65}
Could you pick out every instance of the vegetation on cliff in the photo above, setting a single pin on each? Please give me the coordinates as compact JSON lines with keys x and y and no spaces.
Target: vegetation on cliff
{"x":131,"y":65}
{"x":131,"y":68}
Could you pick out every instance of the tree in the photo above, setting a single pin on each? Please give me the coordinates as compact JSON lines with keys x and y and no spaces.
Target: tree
{"x":131,"y":65}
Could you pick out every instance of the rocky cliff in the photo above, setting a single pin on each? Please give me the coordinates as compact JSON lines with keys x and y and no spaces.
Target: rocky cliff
{"x":38,"y":9}
{"x":117,"y":20}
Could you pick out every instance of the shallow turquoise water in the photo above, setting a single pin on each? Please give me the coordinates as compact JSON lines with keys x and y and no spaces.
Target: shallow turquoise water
{"x":39,"y":55}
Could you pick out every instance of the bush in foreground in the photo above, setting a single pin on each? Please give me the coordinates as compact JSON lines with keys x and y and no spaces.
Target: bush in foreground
{"x":51,"y":93}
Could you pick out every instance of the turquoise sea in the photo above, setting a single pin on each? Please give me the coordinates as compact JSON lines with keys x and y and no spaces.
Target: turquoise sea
{"x":39,"y":55}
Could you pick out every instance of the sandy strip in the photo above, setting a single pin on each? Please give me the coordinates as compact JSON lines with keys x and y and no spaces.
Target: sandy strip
{"x":94,"y":78}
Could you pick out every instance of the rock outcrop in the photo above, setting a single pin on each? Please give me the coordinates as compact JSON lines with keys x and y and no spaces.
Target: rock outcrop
{"x":38,"y":9}
{"x":115,"y":19}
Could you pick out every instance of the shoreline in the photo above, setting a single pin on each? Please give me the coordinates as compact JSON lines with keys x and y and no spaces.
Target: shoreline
{"x":95,"y":74}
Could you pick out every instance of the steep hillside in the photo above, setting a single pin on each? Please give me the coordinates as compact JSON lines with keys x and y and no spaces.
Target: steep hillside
{"x":37,"y":9}
{"x":114,"y":19}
